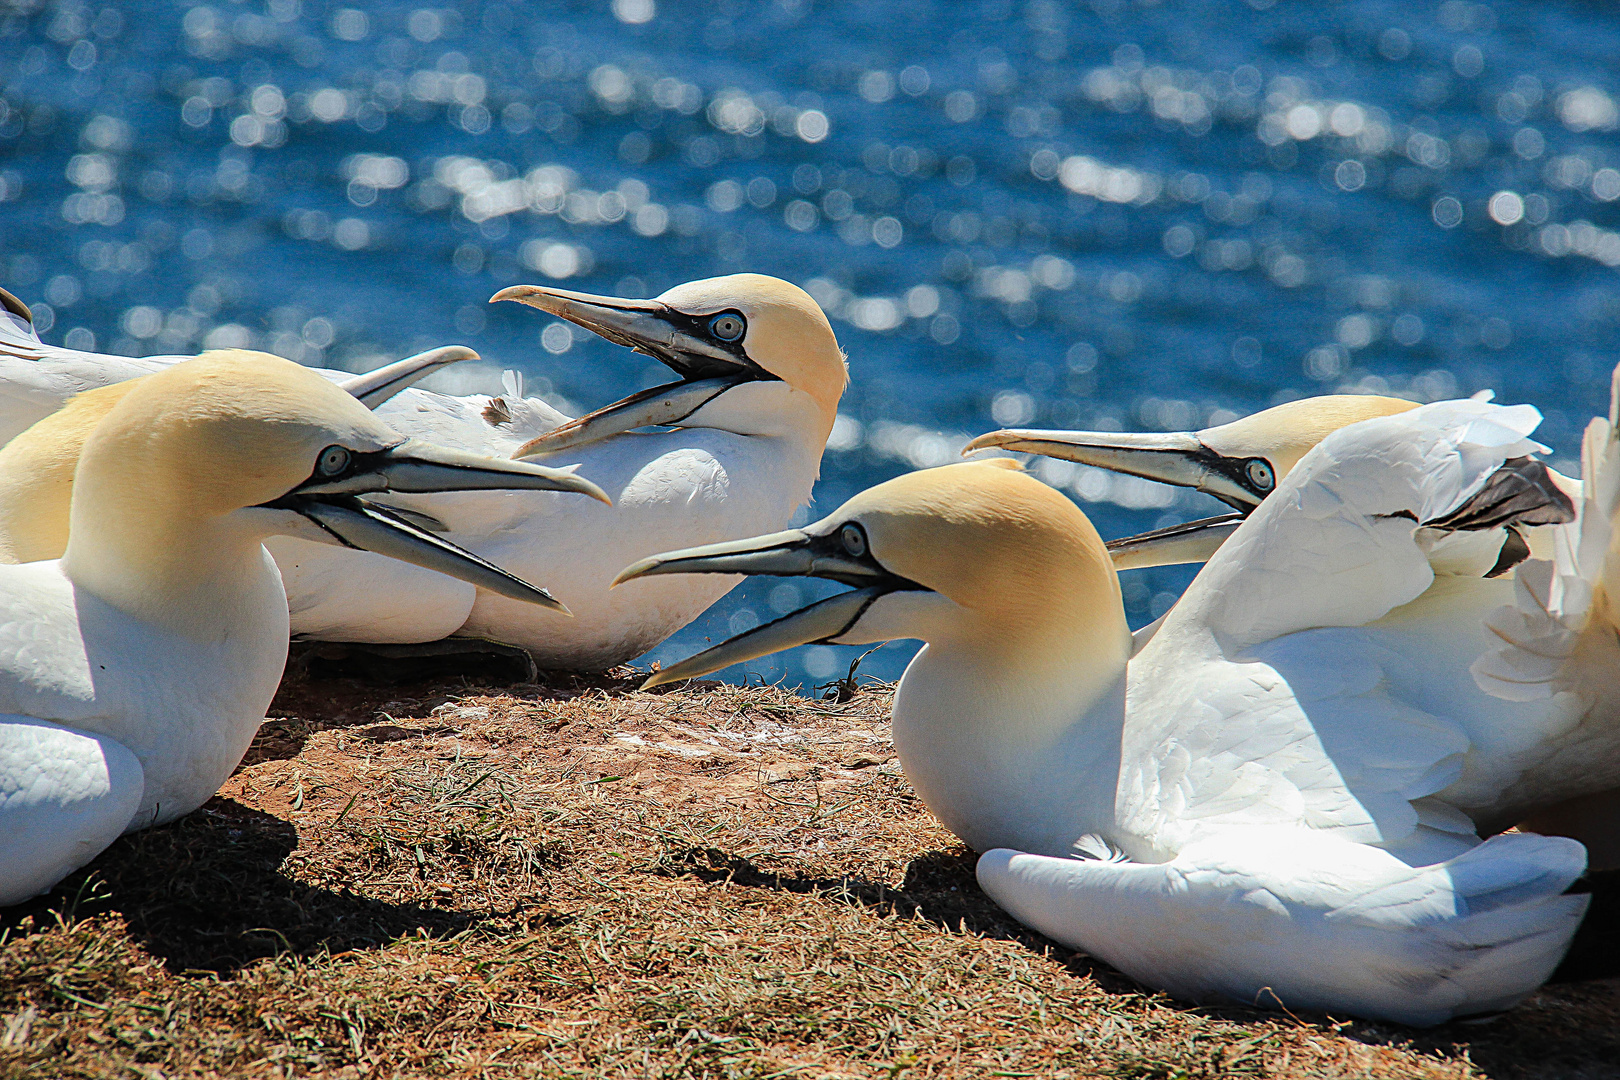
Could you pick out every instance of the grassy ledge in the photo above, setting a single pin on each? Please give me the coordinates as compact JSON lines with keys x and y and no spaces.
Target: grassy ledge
{"x":578,"y":879}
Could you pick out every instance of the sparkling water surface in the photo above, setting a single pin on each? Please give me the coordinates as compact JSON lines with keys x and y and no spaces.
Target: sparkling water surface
{"x":1117,"y":215}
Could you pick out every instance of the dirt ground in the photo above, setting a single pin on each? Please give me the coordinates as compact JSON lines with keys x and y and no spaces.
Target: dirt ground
{"x":578,"y":879}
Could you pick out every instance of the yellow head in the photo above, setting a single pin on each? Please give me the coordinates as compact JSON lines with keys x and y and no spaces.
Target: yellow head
{"x":756,"y":356}
{"x":785,"y":331}
{"x":979,"y":559}
{"x":1285,"y":433}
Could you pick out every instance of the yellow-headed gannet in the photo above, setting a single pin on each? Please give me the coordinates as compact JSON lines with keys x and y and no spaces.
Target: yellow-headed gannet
{"x":135,"y":669}
{"x":1239,"y":463}
{"x":761,"y":375}
{"x":1276,"y":800}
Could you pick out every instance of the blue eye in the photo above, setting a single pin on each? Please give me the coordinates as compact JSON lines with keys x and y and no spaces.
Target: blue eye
{"x":727,"y":327}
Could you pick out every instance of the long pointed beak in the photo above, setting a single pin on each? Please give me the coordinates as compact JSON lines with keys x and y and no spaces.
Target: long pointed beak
{"x":1192,"y":542}
{"x":419,"y":467}
{"x":660,"y":406}
{"x":1175,"y":457}
{"x":707,"y":367}
{"x":790,"y":553}
{"x":358,"y":524}
{"x":824,"y":621}
{"x":378,"y":385}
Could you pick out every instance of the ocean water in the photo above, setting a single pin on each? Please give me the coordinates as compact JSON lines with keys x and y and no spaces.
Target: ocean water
{"x":1116,"y":214}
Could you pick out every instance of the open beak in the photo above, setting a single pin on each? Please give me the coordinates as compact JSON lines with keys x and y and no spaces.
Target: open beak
{"x":1193,"y":542}
{"x":358,"y":524}
{"x":707,"y":367}
{"x":1175,"y":457}
{"x":333,"y":504}
{"x":793,"y":553}
{"x":378,"y":385}
{"x":416,"y":467}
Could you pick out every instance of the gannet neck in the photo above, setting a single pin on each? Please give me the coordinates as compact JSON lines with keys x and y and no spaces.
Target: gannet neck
{"x":161,"y":519}
{"x":773,"y":409}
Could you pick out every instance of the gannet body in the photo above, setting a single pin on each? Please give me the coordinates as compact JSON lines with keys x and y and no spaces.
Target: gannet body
{"x":1239,"y":463}
{"x":135,"y":669}
{"x":1269,"y":803}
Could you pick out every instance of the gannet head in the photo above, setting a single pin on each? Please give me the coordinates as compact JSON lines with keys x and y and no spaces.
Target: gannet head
{"x":978,"y":553}
{"x":739,"y":343}
{"x":36,"y":467}
{"x":244,"y":445}
{"x":1239,"y":463}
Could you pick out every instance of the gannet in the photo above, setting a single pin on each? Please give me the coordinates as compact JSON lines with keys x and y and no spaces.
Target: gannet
{"x":37,"y":379}
{"x":761,"y":376}
{"x":135,"y":669}
{"x":1279,"y":800}
{"x":1239,"y":463}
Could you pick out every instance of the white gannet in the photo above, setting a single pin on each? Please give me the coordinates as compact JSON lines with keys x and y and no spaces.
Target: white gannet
{"x":761,"y":377}
{"x":135,"y":669}
{"x":37,"y":379}
{"x":1239,"y":463}
{"x":1276,"y":800}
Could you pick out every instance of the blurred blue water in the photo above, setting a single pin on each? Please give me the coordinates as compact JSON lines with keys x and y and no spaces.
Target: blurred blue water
{"x":1117,"y":214}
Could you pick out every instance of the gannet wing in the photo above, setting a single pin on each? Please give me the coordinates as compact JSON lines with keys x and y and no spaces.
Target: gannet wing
{"x":1302,"y":920}
{"x":1273,"y":694}
{"x":64,"y":796}
{"x":1303,"y":731}
{"x":1334,"y":544}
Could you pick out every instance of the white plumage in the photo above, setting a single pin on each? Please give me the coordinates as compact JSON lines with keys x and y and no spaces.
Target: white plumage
{"x":753,"y":411}
{"x":1290,"y":771}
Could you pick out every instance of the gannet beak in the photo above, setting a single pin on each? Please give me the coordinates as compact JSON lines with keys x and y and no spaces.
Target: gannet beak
{"x":1192,"y":542}
{"x":417,"y":467}
{"x":328,"y":498}
{"x":1175,"y":457}
{"x":356,"y":523}
{"x":793,"y":553}
{"x":377,"y":386}
{"x":708,"y":367}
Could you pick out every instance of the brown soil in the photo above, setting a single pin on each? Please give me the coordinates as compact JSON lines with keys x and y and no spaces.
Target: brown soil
{"x":577,"y":879}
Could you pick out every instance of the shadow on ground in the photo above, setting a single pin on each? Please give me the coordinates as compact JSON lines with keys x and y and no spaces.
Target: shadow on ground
{"x":206,"y":893}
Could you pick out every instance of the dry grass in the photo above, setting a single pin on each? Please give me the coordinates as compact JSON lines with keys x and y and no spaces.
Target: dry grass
{"x":588,"y":881}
